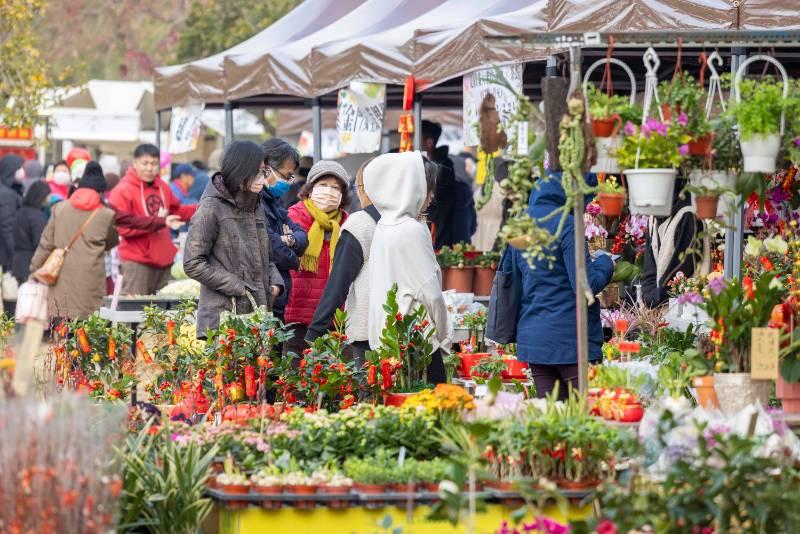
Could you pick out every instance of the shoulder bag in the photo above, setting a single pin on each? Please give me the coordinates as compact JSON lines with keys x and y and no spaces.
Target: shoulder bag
{"x":48,"y":273}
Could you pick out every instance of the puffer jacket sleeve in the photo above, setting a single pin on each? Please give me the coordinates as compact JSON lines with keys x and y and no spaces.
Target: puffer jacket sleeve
{"x":203,"y":232}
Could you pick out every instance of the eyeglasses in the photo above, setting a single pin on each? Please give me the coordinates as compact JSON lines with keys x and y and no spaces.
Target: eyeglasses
{"x":290,"y":179}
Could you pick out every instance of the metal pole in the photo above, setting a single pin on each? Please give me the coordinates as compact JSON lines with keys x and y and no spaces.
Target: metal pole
{"x":316,"y":126}
{"x":158,"y":129}
{"x":733,"y":235}
{"x":228,"y":123}
{"x":418,"y":121}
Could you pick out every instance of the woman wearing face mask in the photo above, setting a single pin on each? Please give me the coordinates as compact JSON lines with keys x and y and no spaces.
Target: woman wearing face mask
{"x":287,"y":239}
{"x":227,"y":249}
{"x":320,"y":213}
{"x":62,"y":179}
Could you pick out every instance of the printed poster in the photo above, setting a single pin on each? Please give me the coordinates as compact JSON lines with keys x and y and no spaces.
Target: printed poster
{"x":184,"y":128}
{"x":359,"y":119}
{"x":477,"y":85}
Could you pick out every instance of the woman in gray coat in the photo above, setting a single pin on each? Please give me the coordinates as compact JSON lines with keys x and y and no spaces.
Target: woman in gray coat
{"x":227,"y":249}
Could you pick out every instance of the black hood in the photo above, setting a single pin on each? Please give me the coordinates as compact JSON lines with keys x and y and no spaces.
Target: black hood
{"x":9,"y":165}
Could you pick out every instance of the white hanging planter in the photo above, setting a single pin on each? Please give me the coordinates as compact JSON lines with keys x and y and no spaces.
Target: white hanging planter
{"x":606,"y":161}
{"x":760,"y":152}
{"x":650,"y":191}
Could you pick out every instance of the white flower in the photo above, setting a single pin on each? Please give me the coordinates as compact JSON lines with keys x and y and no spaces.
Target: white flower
{"x":776,"y":244}
{"x":776,"y":283}
{"x":753,"y":247}
{"x":446,"y":488}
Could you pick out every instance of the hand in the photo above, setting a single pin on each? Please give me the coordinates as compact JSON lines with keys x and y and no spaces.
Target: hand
{"x":287,"y":230}
{"x":174,"y":222}
{"x":275,"y":290}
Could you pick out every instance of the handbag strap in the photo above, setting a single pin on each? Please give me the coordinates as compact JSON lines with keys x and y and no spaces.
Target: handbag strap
{"x":250,"y":297}
{"x":80,"y":231}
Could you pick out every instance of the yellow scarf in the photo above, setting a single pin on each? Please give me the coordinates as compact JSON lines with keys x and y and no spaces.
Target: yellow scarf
{"x":323,"y":222}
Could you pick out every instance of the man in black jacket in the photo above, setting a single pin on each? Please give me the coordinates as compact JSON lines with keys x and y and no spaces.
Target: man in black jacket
{"x":10,"y":201}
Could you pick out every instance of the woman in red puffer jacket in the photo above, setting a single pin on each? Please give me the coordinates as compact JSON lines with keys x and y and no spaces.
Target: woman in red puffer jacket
{"x":320,"y":213}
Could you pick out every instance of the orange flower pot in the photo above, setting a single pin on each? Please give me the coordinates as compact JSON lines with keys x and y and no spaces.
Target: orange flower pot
{"x":484,"y":278}
{"x":459,"y":279}
{"x":468,"y":361}
{"x":342,"y":491}
{"x":706,"y":206}
{"x":396,"y":399}
{"x":611,"y":203}
{"x":269,"y":490}
{"x":706,"y":395}
{"x":607,"y":127}
{"x":789,"y":394}
{"x":302,"y":489}
{"x":514,"y":370}
{"x":700,"y":146}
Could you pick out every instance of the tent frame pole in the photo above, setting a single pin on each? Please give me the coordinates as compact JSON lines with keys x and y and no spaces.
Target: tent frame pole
{"x":158,"y":129}
{"x":228,"y":123}
{"x":418,"y":121}
{"x":733,"y":236}
{"x":316,"y":127}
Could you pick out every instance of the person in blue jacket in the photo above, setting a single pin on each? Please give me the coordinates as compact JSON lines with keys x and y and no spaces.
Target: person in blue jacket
{"x":546,"y":327}
{"x":287,"y":239}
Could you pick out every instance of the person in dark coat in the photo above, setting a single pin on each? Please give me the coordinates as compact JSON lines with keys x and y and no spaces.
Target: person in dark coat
{"x":301,"y":174}
{"x":665,"y":253}
{"x":452,"y":213}
{"x":10,"y":201}
{"x":28,"y":227}
{"x":546,"y":328}
{"x":287,"y":239}
{"x":227,"y":249}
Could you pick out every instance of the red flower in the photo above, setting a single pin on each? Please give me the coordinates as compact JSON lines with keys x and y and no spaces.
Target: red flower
{"x":303,"y":363}
{"x":306,"y":352}
{"x":347,"y":401}
{"x":606,"y":527}
{"x":317,"y":369}
{"x":766,"y":263}
{"x":231,"y":334}
{"x":398,"y":317}
{"x":747,"y":283}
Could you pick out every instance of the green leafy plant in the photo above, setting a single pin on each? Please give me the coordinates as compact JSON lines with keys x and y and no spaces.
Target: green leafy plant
{"x":659,"y":145}
{"x":491,"y":367}
{"x":609,"y":184}
{"x":726,"y":155}
{"x":375,"y":470}
{"x":684,"y":95}
{"x":759,"y":112}
{"x":604,"y":106}
{"x":488,"y":260}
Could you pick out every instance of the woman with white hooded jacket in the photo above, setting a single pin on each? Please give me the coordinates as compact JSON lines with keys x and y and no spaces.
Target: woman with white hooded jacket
{"x":402,"y":251}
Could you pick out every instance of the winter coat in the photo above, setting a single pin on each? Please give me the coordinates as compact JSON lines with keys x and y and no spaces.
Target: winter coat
{"x":453,"y":209}
{"x":307,"y":287}
{"x":286,"y":258}
{"x":81,"y":283}
{"x":134,"y":196}
{"x":546,"y":329}
{"x":10,"y":201}
{"x":227,"y":251}
{"x":28,"y":227}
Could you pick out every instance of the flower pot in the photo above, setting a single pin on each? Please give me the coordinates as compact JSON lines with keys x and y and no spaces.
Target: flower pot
{"x":611,"y":203}
{"x":606,"y":127}
{"x":736,"y":391}
{"x":631,"y":413}
{"x":789,"y":394}
{"x":269,"y":504}
{"x":514,"y":370}
{"x":470,"y":360}
{"x":650,"y":191}
{"x":704,"y":392}
{"x":235,"y":489}
{"x":459,"y":279}
{"x":578,"y":485}
{"x":716,"y":180}
{"x":500,"y":485}
{"x":371,"y":489}
{"x":302,"y":489}
{"x":396,"y":399}
{"x":606,"y":158}
{"x":706,"y":206}
{"x":484,"y":278}
{"x":759,"y":153}
{"x":700,"y":146}
{"x":343,"y":491}
{"x":432,"y":487}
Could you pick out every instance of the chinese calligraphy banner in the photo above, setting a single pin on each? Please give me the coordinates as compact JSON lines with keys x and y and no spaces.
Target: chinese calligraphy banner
{"x":184,"y":128}
{"x":359,"y":119}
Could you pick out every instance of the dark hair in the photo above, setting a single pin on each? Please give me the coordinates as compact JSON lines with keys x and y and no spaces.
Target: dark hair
{"x":146,"y":149}
{"x":305,"y":191}
{"x":431,"y":130}
{"x":62,"y":162}
{"x":112,"y":180}
{"x":240,"y":163}
{"x":431,"y":173}
{"x":306,"y":162}
{"x":276,"y":151}
{"x":36,"y":195}
{"x":199,"y":165}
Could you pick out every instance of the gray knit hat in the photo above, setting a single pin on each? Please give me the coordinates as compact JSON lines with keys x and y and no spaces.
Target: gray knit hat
{"x":325,"y":168}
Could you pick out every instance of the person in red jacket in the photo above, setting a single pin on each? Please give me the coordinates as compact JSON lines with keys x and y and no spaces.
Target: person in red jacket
{"x":147,"y":255}
{"x":320,"y":212}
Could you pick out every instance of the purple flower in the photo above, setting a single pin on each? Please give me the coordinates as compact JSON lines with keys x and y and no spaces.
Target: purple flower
{"x":684,"y":150}
{"x":683,"y":119}
{"x":629,"y":128}
{"x":778,"y":195}
{"x":654,"y":125}
{"x":796,"y":141}
{"x":717,"y":285}
{"x":691,"y":297}
{"x":593,"y":209}
{"x":712,"y":432}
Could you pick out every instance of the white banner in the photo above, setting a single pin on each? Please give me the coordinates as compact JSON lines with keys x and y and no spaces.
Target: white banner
{"x":359,"y":119}
{"x":184,"y":128}
{"x":477,"y":85}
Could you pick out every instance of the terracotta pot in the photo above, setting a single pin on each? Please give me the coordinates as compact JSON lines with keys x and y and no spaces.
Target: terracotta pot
{"x":401,"y":488}
{"x":235,"y":489}
{"x":704,"y":389}
{"x":484,"y":278}
{"x":432,"y":487}
{"x":500,"y":485}
{"x":269,"y":490}
{"x":470,"y":360}
{"x":302,"y":489}
{"x":344,"y":491}
{"x":700,"y":146}
{"x":371,"y":489}
{"x":736,"y":391}
{"x":396,"y":399}
{"x":459,"y":279}
{"x":611,"y":203}
{"x":578,"y":485}
{"x":789,"y":394}
{"x":514,"y":370}
{"x":211,"y":482}
{"x":706,"y":206}
{"x":607,"y":127}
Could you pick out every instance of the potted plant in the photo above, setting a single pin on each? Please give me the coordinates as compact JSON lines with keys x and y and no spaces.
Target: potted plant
{"x":493,"y":366}
{"x":369,"y":477}
{"x":473,"y":352}
{"x":650,"y":156}
{"x":734,"y":307}
{"x":610,"y":195}
{"x":457,"y":274}
{"x":718,"y":169}
{"x":299,"y":483}
{"x":333,"y":482}
{"x":485,"y":269}
{"x":268,"y":481}
{"x":234,"y":482}
{"x":683,"y":101}
{"x":705,"y":200}
{"x":609,"y":113}
{"x":430,"y":472}
{"x":759,"y":109}
{"x":515,"y":369}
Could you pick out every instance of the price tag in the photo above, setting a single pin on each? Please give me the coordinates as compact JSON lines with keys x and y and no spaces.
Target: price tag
{"x":522,"y":137}
{"x":764,"y":347}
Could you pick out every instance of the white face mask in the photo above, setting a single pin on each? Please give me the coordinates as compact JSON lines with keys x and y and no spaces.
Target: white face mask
{"x":62,"y":178}
{"x":20,"y":174}
{"x":326,"y":198}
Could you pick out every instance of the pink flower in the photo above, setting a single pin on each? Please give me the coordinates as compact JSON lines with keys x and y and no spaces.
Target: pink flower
{"x":796,"y":141}
{"x":683,"y":119}
{"x":593,"y":209}
{"x":684,"y":150}
{"x":629,"y":128}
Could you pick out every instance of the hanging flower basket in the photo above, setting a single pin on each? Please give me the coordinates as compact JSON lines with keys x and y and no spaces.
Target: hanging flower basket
{"x":701,"y":146}
{"x":716,"y":180}
{"x":651,"y":191}
{"x":706,"y":206}
{"x":606,"y":127}
{"x":611,"y":203}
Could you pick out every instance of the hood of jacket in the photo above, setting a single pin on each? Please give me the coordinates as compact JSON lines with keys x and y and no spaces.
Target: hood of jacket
{"x":243,"y":200}
{"x":550,"y":193}
{"x":9,"y":165}
{"x":396,"y":185}
{"x":85,"y":199}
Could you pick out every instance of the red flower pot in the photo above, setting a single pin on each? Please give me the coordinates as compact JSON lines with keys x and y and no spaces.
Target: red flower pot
{"x":235,"y":489}
{"x":578,"y":485}
{"x":706,"y":206}
{"x":342,"y":491}
{"x":269,"y":490}
{"x":459,"y":279}
{"x":484,"y":278}
{"x":789,"y":393}
{"x":514,"y":370}
{"x":607,"y":127}
{"x":632,"y":413}
{"x":611,"y":203}
{"x":432,"y":487}
{"x":302,"y":489}
{"x":700,"y":146}
{"x":472,"y":254}
{"x":468,"y":361}
{"x":371,"y":489}
{"x":396,"y":399}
